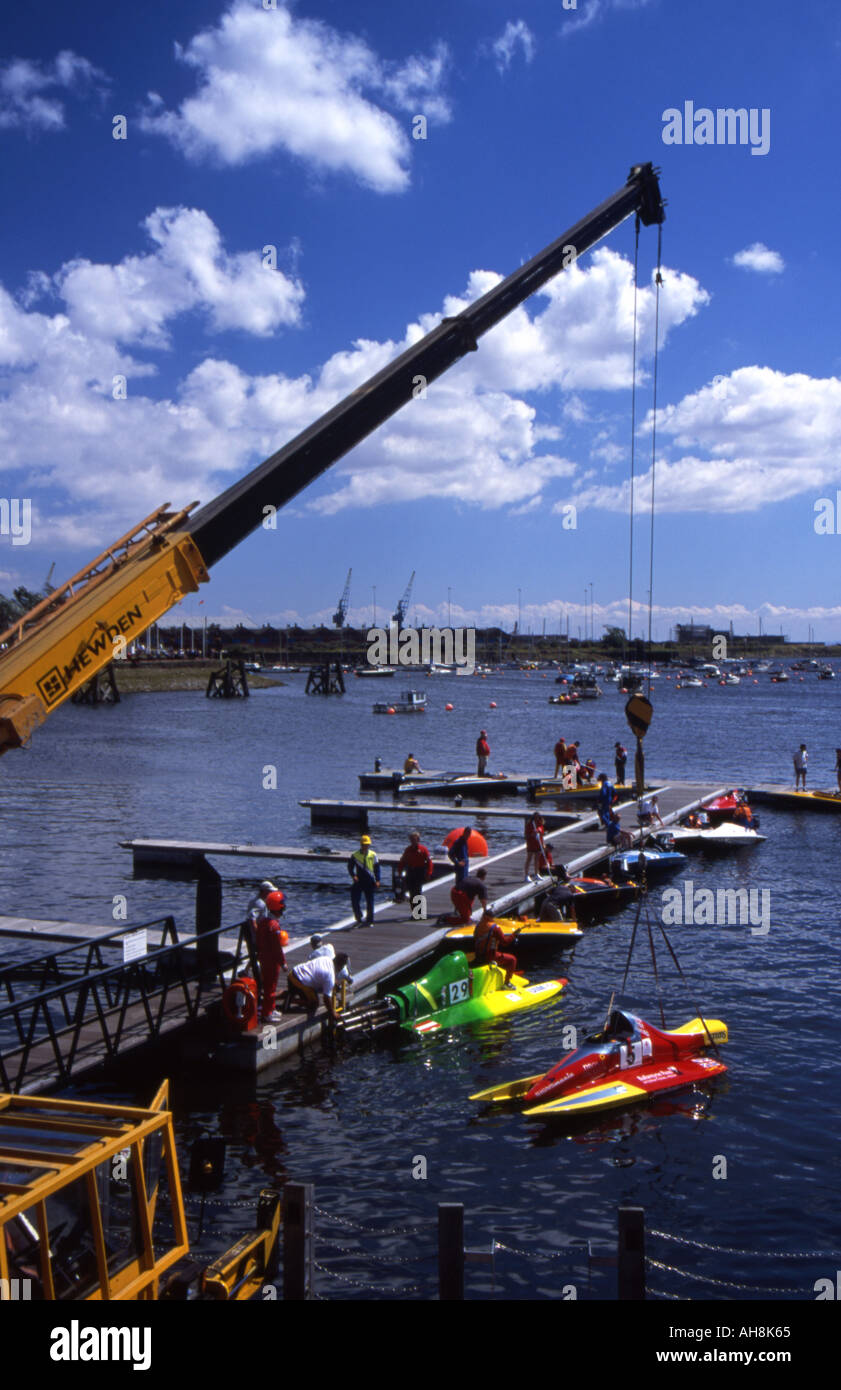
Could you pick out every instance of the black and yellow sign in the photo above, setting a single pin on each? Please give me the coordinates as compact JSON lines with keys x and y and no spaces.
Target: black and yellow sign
{"x":638,"y":713}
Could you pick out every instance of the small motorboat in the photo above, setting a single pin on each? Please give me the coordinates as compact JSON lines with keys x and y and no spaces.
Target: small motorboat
{"x":727,"y":835}
{"x":658,"y":863}
{"x":586,"y":687}
{"x":686,"y":681}
{"x":826,"y":673}
{"x":530,"y":932}
{"x":410,"y":702}
{"x":733,"y":805}
{"x":627,"y":1061}
{"x":573,"y":698}
{"x":591,"y":898}
{"x":448,"y":996}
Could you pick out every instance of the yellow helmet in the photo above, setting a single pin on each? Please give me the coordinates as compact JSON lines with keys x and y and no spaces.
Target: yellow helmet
{"x":365,"y":840}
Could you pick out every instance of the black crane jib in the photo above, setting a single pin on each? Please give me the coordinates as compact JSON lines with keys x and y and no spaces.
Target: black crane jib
{"x":224,"y":522}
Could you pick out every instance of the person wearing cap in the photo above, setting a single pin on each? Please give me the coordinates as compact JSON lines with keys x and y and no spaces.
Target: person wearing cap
{"x":271,"y":939}
{"x":483,"y":752}
{"x":488,"y":937}
{"x":320,"y":947}
{"x":620,"y":758}
{"x":257,"y":909}
{"x":415,"y":865}
{"x":312,"y":978}
{"x":364,"y":870}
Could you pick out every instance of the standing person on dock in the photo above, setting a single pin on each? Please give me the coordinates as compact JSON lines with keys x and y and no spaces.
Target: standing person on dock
{"x":483,"y":752}
{"x":313,"y":977}
{"x":607,"y":796}
{"x":535,"y":843}
{"x":620,"y":758}
{"x":364,"y":870}
{"x":459,"y":854}
{"x":801,"y":763}
{"x":462,"y":897}
{"x":271,"y":939}
{"x":561,"y":758}
{"x":415,"y":865}
{"x":257,"y":909}
{"x":488,"y":937}
{"x":411,"y":765}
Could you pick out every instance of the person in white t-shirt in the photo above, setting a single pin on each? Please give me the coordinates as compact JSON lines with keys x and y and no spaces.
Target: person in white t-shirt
{"x":801,"y":763}
{"x":648,"y":811}
{"x":320,"y":947}
{"x":314,"y":977}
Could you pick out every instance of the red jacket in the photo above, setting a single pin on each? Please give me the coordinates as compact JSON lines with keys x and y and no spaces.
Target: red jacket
{"x":269,"y":944}
{"x":482,"y":748}
{"x":416,"y":857}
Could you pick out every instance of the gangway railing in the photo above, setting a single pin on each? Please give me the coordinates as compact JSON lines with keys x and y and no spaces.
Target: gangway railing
{"x":82,"y":1019}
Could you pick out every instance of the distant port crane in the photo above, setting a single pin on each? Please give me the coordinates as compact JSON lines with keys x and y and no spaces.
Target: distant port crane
{"x":341,"y":612}
{"x":403,"y":606}
{"x":55,"y":648}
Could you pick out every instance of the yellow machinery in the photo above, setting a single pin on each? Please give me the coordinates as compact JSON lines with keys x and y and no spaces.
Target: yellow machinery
{"x":77,"y":630}
{"x":91,"y":1208}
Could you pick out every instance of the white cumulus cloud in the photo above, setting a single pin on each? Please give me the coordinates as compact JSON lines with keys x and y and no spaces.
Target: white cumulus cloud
{"x":745,"y":441}
{"x":758,"y":257}
{"x":268,"y":81}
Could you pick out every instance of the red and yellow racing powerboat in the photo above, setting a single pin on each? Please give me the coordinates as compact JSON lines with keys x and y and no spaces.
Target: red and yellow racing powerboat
{"x":628,"y":1061}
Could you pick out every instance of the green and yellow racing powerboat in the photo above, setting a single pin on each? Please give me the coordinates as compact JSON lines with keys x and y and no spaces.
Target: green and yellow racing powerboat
{"x":451,"y":994}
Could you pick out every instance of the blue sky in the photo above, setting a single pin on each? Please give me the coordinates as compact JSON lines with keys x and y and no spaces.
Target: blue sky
{"x":291,"y":127}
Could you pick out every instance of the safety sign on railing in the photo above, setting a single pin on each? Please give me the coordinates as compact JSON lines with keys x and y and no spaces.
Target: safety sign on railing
{"x":135,"y":945}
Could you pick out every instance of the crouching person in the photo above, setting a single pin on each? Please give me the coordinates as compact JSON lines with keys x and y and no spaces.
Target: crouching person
{"x":314,"y":977}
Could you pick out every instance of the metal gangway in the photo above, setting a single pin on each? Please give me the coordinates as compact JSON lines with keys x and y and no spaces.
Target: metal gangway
{"x":69,"y":1010}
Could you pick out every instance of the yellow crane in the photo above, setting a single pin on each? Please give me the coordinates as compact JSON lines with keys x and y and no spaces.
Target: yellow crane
{"x":75,"y":631}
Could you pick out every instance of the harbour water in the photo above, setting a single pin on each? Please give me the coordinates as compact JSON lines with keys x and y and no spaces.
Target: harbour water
{"x":750,"y":1167}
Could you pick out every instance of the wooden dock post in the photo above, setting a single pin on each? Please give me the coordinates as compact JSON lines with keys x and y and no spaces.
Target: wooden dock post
{"x":630,"y":1276}
{"x":208,"y":912}
{"x":450,"y":1251}
{"x":297,"y":1240}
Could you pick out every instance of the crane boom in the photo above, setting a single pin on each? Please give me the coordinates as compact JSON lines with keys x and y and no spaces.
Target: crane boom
{"x":341,"y":612}
{"x":72,"y":635}
{"x":403,"y":603}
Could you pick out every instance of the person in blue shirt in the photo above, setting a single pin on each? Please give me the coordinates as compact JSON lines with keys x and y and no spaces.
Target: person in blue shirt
{"x":364,"y":869}
{"x":607,"y":796}
{"x":459,"y":855}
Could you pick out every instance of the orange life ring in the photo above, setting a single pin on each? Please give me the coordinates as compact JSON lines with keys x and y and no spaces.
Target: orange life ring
{"x":239,"y":1003}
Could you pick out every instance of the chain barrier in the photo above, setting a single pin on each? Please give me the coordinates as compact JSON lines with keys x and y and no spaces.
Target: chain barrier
{"x":534,"y":1254}
{"x":661,"y":1293}
{"x":376,"y":1259}
{"x":728,"y":1250}
{"x":720,"y":1283}
{"x":368,"y":1230}
{"x":372,"y":1288}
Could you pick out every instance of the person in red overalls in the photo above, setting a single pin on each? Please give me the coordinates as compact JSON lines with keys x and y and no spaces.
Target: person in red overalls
{"x":483,"y":752}
{"x":560,"y":755}
{"x":536,"y":845}
{"x":271,"y":939}
{"x":487,"y":939}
